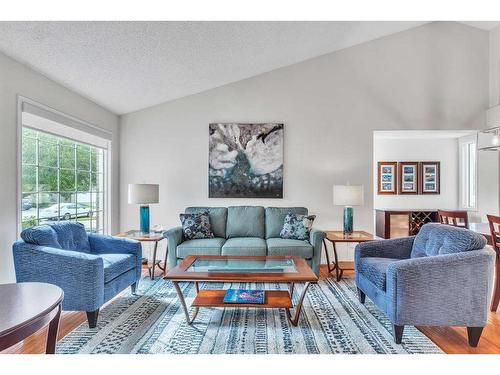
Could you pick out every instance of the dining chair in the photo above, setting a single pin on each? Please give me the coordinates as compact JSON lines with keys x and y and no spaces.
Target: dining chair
{"x":495,"y":240}
{"x":455,"y":218}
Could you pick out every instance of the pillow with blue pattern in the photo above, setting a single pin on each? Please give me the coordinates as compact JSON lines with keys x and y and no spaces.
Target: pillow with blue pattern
{"x":196,"y":226}
{"x":297,"y":227}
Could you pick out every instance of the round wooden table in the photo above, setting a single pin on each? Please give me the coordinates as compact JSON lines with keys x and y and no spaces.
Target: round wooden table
{"x":26,"y":308}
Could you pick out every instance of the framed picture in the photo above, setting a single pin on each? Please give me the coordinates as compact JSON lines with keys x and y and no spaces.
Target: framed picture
{"x":430,"y":177}
{"x":408,"y":177}
{"x":387,"y":177}
{"x":245,"y":160}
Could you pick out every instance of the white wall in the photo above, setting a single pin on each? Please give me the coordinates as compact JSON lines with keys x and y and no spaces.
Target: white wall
{"x":490,"y":166}
{"x":17,"y":79}
{"x":444,"y":150}
{"x":431,"y":77}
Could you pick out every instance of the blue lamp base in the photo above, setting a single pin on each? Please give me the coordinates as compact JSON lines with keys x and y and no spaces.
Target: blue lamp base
{"x":144,"y":217}
{"x":348,"y":220}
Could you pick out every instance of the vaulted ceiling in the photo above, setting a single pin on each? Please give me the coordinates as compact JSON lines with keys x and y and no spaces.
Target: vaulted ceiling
{"x":127,"y":66}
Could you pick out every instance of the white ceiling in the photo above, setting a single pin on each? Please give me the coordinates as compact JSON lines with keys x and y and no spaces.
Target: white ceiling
{"x":127,"y":66}
{"x":484,"y":25}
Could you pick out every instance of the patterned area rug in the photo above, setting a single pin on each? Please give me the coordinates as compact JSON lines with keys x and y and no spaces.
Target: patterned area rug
{"x":332,"y":321}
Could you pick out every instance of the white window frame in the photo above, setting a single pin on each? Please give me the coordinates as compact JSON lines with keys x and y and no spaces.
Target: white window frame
{"x":465,"y":166}
{"x":75,"y":126}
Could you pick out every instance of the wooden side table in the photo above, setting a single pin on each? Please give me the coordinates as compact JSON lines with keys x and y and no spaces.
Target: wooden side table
{"x":338,"y":236}
{"x":27,"y":308}
{"x":148,"y":237}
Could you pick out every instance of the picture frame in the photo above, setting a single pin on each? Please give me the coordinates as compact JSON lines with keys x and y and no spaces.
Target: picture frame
{"x":430,"y":177}
{"x":409,"y":179}
{"x":245,"y":160}
{"x":387,"y":177}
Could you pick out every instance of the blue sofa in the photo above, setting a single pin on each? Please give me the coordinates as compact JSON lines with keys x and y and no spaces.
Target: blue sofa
{"x":246,"y":230}
{"x":441,"y":277}
{"x":90,"y":268}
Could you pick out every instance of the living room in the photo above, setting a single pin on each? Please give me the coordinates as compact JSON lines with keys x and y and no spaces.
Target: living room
{"x":342,"y":175}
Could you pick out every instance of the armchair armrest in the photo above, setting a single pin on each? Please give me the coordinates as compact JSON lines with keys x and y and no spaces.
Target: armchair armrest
{"x":102,"y":244}
{"x":316,"y":239}
{"x":174,"y":237}
{"x":80,"y":275}
{"x":450,"y":289}
{"x":398,"y":248}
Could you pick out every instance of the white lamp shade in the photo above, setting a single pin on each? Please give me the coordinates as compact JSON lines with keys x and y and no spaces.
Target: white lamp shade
{"x":143,"y":193}
{"x":348,"y":195}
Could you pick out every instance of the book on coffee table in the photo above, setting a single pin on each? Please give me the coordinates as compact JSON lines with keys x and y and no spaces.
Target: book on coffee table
{"x":247,"y":296}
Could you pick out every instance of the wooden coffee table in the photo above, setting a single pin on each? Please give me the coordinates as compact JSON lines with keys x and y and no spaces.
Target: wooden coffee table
{"x":26,"y":308}
{"x":247,"y":269}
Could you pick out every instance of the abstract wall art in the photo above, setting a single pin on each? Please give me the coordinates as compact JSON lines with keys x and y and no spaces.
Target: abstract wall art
{"x":245,"y":160}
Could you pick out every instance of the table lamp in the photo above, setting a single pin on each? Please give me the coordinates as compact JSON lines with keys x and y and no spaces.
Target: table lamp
{"x":143,"y":194}
{"x":348,"y":196}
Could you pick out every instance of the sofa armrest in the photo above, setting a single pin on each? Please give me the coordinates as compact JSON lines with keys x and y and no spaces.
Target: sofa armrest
{"x":452,"y":289}
{"x":174,"y":238}
{"x":316,"y":238}
{"x":398,"y":248}
{"x":102,"y":244}
{"x":80,"y":275}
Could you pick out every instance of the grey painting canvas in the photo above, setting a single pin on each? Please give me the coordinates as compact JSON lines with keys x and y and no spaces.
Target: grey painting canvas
{"x":246,"y":161}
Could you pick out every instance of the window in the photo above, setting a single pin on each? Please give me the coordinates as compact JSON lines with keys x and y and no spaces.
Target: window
{"x":468,"y":173}
{"x":61,"y":179}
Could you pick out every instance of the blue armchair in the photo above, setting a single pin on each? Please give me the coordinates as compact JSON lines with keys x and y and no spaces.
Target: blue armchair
{"x":441,"y":277}
{"x":91,"y":269}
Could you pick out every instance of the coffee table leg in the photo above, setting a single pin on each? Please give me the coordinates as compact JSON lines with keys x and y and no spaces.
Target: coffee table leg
{"x":52,"y":333}
{"x":295,"y":319}
{"x":291,"y":287}
{"x":189,"y":319}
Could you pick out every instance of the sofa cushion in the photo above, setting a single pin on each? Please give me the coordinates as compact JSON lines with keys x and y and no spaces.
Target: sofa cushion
{"x":244,"y":246}
{"x":297,"y":227}
{"x":440,"y":239}
{"x":116,"y":264}
{"x":206,"y":246}
{"x":218,"y":218}
{"x":196,"y":226}
{"x":375,"y":269}
{"x":41,"y":235}
{"x":275,"y":218}
{"x":281,"y":246}
{"x":245,"y":221}
{"x":72,"y":236}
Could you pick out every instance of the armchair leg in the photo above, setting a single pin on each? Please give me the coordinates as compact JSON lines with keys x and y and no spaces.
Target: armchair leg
{"x":398,"y":333}
{"x":133,"y":287}
{"x":361,"y":296}
{"x":92,"y":318}
{"x":474,"y":334}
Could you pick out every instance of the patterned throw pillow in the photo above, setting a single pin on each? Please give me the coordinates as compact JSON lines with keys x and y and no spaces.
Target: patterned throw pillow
{"x":196,"y":226}
{"x":297,"y":227}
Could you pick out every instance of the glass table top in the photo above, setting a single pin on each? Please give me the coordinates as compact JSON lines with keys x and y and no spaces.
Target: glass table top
{"x":243,"y":265}
{"x":135,"y":234}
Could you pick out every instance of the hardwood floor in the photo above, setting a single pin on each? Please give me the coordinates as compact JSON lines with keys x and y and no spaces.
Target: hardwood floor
{"x":451,"y":340}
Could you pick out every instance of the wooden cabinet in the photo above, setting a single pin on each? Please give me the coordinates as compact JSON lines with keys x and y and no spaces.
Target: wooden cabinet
{"x":402,"y":223}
